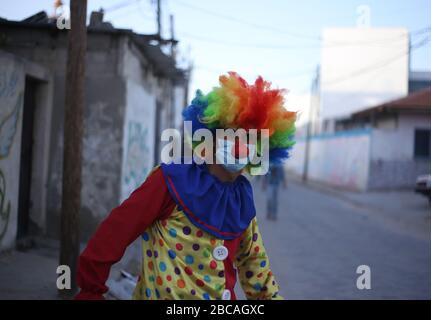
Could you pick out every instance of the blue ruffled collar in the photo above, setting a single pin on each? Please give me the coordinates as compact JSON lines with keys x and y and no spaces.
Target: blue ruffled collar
{"x":223,"y":209}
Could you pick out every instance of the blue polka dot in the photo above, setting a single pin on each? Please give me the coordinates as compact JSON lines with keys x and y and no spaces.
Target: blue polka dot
{"x":263,"y":264}
{"x":172,"y":254}
{"x":162,"y":266}
{"x":206,"y":296}
{"x":157,"y":293}
{"x":172,"y":232}
{"x":207,"y":278}
{"x":257,"y":286}
{"x":189,"y":259}
{"x":148,"y":292}
{"x":201,"y":266}
{"x":145,"y":236}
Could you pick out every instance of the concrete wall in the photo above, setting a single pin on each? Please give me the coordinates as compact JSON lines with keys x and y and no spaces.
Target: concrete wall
{"x":340,"y":159}
{"x":179,"y":96}
{"x":12,"y":82}
{"x":393,"y":164}
{"x":103,"y":134}
{"x":103,"y":131}
{"x":103,"y":121}
{"x":13,"y":72}
{"x":139,"y":121}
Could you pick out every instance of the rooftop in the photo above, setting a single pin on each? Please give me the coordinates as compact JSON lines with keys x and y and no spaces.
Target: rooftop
{"x":419,"y":101}
{"x":150,"y":44}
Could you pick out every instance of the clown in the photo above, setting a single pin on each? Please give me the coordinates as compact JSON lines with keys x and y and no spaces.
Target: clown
{"x":198,"y":221}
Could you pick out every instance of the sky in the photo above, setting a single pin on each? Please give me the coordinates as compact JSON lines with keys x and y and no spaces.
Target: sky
{"x":277,"y":39}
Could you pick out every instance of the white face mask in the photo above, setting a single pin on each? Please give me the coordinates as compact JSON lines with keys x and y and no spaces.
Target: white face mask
{"x":225,"y":155}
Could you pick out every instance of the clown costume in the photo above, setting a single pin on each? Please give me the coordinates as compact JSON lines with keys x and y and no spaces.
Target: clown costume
{"x":199,"y":233}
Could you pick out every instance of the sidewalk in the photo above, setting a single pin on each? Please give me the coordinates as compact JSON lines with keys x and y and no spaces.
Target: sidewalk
{"x":28,"y":275}
{"x":404,"y":210}
{"x":31,"y":274}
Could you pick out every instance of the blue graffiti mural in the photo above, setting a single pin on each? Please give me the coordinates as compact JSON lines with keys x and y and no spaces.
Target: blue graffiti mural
{"x":8,"y":126}
{"x":11,"y":100}
{"x":137,"y":156}
{"x":4,"y":207}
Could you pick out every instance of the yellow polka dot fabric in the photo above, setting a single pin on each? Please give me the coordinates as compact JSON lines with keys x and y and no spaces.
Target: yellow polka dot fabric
{"x":178,"y":263}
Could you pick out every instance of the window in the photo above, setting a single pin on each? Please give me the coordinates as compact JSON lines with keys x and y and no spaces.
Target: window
{"x":423,"y":143}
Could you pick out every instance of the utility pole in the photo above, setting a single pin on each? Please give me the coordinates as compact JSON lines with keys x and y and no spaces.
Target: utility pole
{"x":173,"y":46}
{"x":311,"y":111}
{"x":159,"y":19}
{"x":73,"y":132}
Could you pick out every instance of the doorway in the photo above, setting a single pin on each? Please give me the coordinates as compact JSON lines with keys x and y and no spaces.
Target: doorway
{"x":27,"y":138}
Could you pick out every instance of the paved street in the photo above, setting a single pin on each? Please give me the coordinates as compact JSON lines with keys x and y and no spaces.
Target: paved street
{"x":320,"y":239}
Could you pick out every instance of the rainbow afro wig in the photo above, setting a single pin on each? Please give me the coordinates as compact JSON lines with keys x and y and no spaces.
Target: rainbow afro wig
{"x":236,"y":104}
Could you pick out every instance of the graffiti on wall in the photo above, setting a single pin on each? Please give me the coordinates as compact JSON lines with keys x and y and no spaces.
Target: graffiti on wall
{"x":137,"y":164}
{"x":8,"y":126}
{"x":4,"y":206}
{"x":10,"y":101}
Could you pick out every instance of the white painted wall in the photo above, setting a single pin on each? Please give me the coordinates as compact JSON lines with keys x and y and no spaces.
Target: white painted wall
{"x":338,"y":160}
{"x":139,"y":126}
{"x":138,"y":138}
{"x":398,"y":144}
{"x":179,"y":96}
{"x":371,"y":68}
{"x":11,"y":104}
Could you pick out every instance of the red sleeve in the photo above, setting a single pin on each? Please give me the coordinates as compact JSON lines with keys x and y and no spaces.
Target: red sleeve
{"x":151,"y":201}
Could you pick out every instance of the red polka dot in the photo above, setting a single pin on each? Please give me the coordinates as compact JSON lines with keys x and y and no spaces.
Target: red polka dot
{"x":199,"y":233}
{"x":179,"y":246}
{"x":150,"y":265}
{"x":169,"y":278}
{"x":159,"y":280}
{"x":200,"y":283}
{"x":256,"y":249}
{"x":161,"y":242}
{"x":188,"y":270}
{"x":260,"y":275}
{"x":181,"y":283}
{"x":213,"y":264}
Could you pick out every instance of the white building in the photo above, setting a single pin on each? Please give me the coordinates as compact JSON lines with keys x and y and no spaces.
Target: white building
{"x":361,"y":67}
{"x":370,"y":116}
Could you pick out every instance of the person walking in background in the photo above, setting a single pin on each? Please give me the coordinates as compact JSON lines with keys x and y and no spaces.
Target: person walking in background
{"x":271,"y":183}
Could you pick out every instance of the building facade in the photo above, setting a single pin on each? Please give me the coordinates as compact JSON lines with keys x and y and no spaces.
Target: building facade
{"x":132,"y":92}
{"x":383,"y":147}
